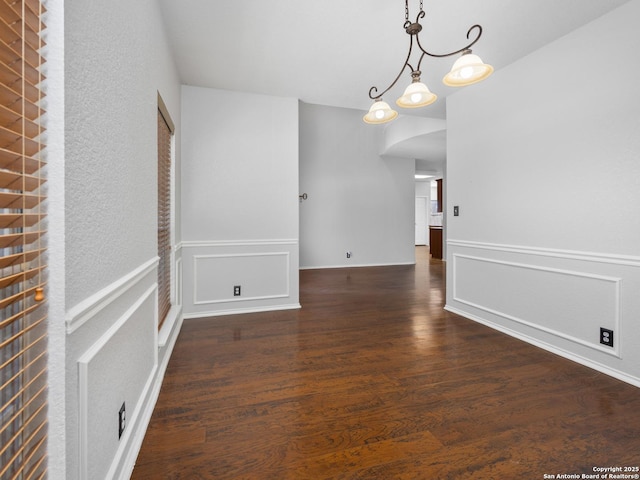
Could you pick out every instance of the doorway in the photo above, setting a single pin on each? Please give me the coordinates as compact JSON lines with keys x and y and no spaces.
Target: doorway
{"x":421,"y":223}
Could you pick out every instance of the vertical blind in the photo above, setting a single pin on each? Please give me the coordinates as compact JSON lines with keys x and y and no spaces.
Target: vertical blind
{"x":23,"y":328}
{"x":164,"y":213}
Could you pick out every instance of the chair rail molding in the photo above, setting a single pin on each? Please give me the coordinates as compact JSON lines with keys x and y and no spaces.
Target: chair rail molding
{"x":628,"y":260}
{"x":88,"y":308}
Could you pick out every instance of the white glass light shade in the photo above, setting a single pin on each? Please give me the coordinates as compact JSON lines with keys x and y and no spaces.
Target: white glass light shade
{"x":468,"y":69}
{"x":380,"y":112}
{"x":417,"y":94}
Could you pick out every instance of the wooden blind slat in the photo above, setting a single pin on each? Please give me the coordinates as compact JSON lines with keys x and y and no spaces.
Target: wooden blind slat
{"x":13,"y":101}
{"x":16,"y":200}
{"x":34,"y":5}
{"x":35,"y":379}
{"x":38,"y":344}
{"x":20,"y":372}
{"x":22,"y":69}
{"x":18,"y":142}
{"x":12,"y":39}
{"x":12,"y":279}
{"x":38,"y":468}
{"x":9,"y":36}
{"x":164,"y":212}
{"x":17,"y":318}
{"x":16,"y":181}
{"x":14,"y":81}
{"x":31,"y":25}
{"x":34,"y":397}
{"x":19,"y":220}
{"x":10,"y":98}
{"x":23,"y":345}
{"x":8,"y":55}
{"x":18,"y":258}
{"x":25,"y":426}
{"x":14,"y":122}
{"x":32,"y":17}
{"x":13,"y":132}
{"x":39,"y":449}
{"x":5,"y":302}
{"x":20,"y":239}
{"x":19,"y":163}
{"x":8,"y":14}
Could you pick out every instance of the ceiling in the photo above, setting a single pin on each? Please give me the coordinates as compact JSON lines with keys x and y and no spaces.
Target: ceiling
{"x":331,"y":52}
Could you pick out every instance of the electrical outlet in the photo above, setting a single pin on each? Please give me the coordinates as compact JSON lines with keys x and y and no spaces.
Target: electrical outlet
{"x":236,"y":291}
{"x":606,"y":337}
{"x":122,"y":420}
{"x":349,"y":254}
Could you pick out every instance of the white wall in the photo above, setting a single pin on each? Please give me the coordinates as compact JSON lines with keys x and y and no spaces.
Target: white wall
{"x":543,"y":162}
{"x":239,"y":201}
{"x":55,"y":139}
{"x":423,"y":194}
{"x":423,"y":188}
{"x":116,"y":61}
{"x":357,"y":200}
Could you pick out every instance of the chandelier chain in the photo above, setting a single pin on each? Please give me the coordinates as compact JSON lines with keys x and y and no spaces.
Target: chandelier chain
{"x":406,"y":9}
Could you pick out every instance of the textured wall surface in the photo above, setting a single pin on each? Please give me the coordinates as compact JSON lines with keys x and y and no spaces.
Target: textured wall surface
{"x":54,"y":71}
{"x":116,"y":62}
{"x":114,"y":54}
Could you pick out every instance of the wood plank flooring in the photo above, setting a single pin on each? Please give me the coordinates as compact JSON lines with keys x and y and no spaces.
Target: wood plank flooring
{"x":372,"y":379}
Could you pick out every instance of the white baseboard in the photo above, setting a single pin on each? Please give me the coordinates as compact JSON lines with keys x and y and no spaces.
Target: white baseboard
{"x":550,"y":348}
{"x":151,"y":399}
{"x":360,"y":265}
{"x":239,"y":311}
{"x":173,"y":318}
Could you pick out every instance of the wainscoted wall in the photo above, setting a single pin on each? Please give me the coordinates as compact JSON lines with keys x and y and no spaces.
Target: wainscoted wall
{"x":116,"y":60}
{"x":103,"y":365}
{"x":265,"y":270}
{"x":555,"y":299}
{"x":117,"y":355}
{"x":546,"y":246}
{"x":240,"y":210}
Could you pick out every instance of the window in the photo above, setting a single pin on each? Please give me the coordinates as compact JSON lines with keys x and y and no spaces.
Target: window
{"x":165,"y":132}
{"x":23,"y":314}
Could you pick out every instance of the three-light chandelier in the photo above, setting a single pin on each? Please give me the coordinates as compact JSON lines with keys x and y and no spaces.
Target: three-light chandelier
{"x":466,"y":70}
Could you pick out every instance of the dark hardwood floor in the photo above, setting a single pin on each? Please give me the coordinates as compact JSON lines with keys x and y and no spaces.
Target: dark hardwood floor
{"x":372,"y":379}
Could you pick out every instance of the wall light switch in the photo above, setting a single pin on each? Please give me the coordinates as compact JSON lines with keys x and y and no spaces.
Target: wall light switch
{"x":456,"y":211}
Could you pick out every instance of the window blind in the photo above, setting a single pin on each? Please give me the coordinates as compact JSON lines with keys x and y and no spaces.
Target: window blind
{"x":164,"y":212}
{"x":23,"y":315}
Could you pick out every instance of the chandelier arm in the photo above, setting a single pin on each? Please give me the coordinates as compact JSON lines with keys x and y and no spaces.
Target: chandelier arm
{"x":421,"y":56}
{"x":406,"y":64}
{"x":468,"y":47}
